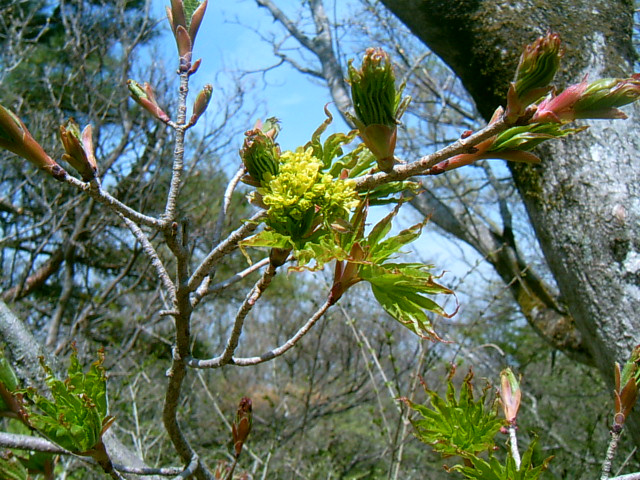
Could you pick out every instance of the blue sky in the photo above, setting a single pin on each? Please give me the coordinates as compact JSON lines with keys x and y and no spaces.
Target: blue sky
{"x":227,"y":41}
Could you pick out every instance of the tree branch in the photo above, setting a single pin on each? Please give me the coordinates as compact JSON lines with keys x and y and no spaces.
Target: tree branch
{"x":270,"y":355}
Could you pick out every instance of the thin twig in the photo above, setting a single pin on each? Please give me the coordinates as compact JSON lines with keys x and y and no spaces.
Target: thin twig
{"x":271,"y":354}
{"x":148,"y":471}
{"x":407,"y":411}
{"x":611,"y":451}
{"x":27,"y":442}
{"x":226,"y":201}
{"x":628,"y":476}
{"x":205,"y":289}
{"x":169,"y":214}
{"x":223,"y":248}
{"x":190,"y":470}
{"x":95,"y":191}
{"x":243,"y":311}
{"x":421,"y":166}
{"x":151,"y":252}
{"x":513,"y":444}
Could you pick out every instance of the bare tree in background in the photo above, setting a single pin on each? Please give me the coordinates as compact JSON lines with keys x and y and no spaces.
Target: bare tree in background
{"x":179,"y":227}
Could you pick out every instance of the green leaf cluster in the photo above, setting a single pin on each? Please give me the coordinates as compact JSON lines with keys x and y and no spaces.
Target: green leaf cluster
{"x":466,"y":426}
{"x":401,"y":288}
{"x":492,"y":469}
{"x":76,"y":417}
{"x":463,"y":426}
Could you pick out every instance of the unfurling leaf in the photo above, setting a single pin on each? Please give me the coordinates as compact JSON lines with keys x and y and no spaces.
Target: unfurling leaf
{"x":79,"y":149}
{"x":201,"y":103}
{"x":626,"y":387}
{"x":378,"y":105}
{"x":185,"y":17}
{"x":145,"y":97}
{"x":537,"y":67}
{"x":457,"y":424}
{"x":76,"y":416}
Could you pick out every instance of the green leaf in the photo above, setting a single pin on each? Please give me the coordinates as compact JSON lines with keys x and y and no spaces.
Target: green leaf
{"x":492,"y":469}
{"x":401,"y":290}
{"x":11,"y":467}
{"x":527,"y":137}
{"x":331,"y":149}
{"x":77,"y":413}
{"x":383,"y":250}
{"x":269,"y":239}
{"x":7,"y":375}
{"x":8,"y":379}
{"x":460,"y":426}
{"x":379,"y":230}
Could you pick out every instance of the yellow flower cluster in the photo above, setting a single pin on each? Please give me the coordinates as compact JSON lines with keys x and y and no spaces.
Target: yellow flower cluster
{"x":299,"y":197}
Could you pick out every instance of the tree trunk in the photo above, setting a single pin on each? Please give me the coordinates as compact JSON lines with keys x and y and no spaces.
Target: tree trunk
{"x":584,"y":198}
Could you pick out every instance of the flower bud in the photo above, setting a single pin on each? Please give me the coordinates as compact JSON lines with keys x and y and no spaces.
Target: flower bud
{"x":510,"y":395}
{"x":377,"y":105}
{"x":79,"y":149}
{"x":15,"y":137}
{"x":241,"y":426}
{"x":260,"y":153}
{"x":145,"y":97}
{"x":201,"y":103}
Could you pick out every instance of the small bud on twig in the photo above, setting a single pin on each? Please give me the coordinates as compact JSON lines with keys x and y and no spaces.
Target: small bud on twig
{"x":145,"y":97}
{"x":15,"y":137}
{"x":79,"y":149}
{"x":510,"y":395}
{"x":200,"y":104}
{"x":241,"y":426}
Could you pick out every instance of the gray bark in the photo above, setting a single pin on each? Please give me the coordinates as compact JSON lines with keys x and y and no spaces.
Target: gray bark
{"x":584,"y":199}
